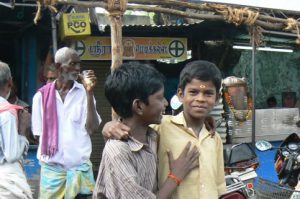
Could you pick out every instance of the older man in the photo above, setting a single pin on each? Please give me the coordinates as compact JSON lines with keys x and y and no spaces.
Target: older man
{"x":64,"y":115}
{"x":50,"y":73}
{"x":13,"y":145}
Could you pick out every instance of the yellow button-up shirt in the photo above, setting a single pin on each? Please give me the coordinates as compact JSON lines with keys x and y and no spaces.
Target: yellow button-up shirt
{"x":205,"y":182}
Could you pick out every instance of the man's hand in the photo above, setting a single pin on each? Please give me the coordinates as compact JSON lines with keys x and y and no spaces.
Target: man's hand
{"x":24,"y":121}
{"x":115,"y":130}
{"x":187,"y":161}
{"x":88,"y":80}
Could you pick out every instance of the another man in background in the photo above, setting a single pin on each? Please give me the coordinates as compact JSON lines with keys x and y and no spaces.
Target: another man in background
{"x":14,"y":99}
{"x":272,"y":102}
{"x":13,"y":143}
{"x":64,"y":114}
{"x":50,"y":73}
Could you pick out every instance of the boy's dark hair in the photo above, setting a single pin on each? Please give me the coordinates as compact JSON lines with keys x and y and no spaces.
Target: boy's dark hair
{"x":131,"y":81}
{"x":200,"y":70}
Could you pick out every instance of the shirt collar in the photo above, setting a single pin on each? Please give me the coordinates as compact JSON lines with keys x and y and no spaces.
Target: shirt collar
{"x":204,"y":132}
{"x":180,"y":120}
{"x":136,"y":145}
{"x":75,"y":85}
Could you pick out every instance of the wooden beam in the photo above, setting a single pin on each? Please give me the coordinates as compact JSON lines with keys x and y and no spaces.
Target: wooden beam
{"x":267,"y":22}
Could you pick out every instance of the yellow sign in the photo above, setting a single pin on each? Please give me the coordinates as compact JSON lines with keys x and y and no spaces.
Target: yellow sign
{"x":135,"y":48}
{"x":75,"y":24}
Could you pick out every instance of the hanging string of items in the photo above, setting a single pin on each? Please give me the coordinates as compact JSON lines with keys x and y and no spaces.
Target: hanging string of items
{"x":238,"y":115}
{"x":236,"y":97}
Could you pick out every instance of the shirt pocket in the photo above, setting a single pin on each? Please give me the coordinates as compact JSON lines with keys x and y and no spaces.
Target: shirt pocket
{"x":77,"y":114}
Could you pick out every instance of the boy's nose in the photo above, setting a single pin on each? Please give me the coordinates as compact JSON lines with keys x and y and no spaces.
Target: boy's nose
{"x":200,"y":97}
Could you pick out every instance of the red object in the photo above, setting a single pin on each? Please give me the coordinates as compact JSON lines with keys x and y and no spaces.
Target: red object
{"x":234,"y":195}
{"x":278,"y":164}
{"x":249,"y":186}
{"x":175,"y":178}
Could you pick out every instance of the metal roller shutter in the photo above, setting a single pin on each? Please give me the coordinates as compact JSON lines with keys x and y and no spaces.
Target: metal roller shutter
{"x":102,"y":69}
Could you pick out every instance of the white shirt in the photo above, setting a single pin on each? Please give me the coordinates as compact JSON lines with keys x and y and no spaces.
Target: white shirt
{"x":74,"y":142}
{"x":12,"y":145}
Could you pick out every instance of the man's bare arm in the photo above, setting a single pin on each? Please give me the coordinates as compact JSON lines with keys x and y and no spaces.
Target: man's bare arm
{"x":92,"y":121}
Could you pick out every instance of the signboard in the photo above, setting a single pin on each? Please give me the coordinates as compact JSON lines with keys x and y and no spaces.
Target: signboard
{"x":74,"y":25}
{"x":292,"y":5}
{"x":135,"y":48}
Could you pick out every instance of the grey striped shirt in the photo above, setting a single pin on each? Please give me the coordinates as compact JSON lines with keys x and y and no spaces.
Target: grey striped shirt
{"x":128,"y":169}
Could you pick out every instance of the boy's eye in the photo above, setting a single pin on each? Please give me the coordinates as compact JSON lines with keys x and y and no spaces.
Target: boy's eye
{"x":193,"y":92}
{"x":210,"y":93}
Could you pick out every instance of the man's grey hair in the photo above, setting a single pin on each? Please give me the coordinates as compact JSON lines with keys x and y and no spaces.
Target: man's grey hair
{"x":63,"y":55}
{"x":5,"y":74}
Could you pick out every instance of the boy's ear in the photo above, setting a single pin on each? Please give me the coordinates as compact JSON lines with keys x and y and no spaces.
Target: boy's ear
{"x":180,"y":94}
{"x":137,"y":106}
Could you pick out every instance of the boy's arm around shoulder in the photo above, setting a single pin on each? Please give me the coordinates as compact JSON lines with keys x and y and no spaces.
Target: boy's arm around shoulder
{"x":115,"y":129}
{"x":157,"y":127}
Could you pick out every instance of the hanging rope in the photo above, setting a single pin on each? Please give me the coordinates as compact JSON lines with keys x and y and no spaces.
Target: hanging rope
{"x":292,"y":24}
{"x":48,"y":4}
{"x":235,"y":15}
{"x":258,"y":35}
{"x":116,"y":7}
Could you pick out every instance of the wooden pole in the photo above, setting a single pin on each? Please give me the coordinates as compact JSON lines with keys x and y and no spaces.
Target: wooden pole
{"x":116,"y":9}
{"x":116,"y":42}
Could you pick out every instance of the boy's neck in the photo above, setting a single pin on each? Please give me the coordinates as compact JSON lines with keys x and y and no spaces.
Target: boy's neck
{"x":137,"y":130}
{"x":195,"y":124}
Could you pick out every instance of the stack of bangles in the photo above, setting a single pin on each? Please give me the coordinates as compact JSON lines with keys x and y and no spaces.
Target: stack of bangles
{"x":175,"y":178}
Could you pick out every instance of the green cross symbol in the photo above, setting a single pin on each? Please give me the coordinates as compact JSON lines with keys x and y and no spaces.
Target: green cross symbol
{"x":176,"y":48}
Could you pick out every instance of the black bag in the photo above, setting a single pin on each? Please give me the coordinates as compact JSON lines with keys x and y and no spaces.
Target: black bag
{"x":236,"y":153}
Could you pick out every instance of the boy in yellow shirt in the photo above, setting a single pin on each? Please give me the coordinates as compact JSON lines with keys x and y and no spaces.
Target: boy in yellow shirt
{"x":198,"y":91}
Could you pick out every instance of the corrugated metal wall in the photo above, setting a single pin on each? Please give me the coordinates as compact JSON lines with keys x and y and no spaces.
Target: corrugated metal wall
{"x":216,"y":113}
{"x":102,"y":69}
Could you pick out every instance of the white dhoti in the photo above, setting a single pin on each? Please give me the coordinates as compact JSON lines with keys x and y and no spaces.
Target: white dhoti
{"x":13,"y":183}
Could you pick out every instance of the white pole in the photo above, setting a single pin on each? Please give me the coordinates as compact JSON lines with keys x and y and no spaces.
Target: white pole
{"x":253,"y":84}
